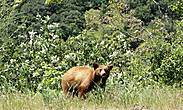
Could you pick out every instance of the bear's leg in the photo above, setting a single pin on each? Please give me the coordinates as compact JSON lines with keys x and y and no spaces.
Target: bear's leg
{"x":103,"y":84}
{"x":81,"y":92}
{"x":65,"y":88}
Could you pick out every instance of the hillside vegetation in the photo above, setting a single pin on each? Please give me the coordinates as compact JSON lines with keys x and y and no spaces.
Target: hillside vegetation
{"x":41,"y":40}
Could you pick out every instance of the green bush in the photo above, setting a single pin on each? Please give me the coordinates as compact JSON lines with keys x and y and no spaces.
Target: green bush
{"x":162,"y":57}
{"x":35,"y":60}
{"x":24,"y":58}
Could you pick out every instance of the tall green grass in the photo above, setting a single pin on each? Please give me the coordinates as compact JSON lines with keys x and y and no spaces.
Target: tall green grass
{"x":115,"y":98}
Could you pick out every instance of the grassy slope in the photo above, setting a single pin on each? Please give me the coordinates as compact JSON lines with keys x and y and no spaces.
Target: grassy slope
{"x":116,"y":98}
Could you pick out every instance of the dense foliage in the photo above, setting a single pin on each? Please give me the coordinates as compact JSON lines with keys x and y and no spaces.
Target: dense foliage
{"x":40,"y":40}
{"x":146,"y":10}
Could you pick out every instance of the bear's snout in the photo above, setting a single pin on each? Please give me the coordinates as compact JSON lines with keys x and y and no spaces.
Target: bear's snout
{"x":102,"y":72}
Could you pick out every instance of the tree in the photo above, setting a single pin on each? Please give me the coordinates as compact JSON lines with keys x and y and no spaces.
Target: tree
{"x":147,"y":10}
{"x":178,"y":7}
{"x":8,"y":26}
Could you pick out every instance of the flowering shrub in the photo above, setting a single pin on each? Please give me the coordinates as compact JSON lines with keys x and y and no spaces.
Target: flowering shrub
{"x":37,"y":61}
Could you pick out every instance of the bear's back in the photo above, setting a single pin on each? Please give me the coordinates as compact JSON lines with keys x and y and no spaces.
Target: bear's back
{"x":78,"y":73}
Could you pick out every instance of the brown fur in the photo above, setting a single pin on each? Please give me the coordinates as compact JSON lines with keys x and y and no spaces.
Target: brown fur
{"x":80,"y":80}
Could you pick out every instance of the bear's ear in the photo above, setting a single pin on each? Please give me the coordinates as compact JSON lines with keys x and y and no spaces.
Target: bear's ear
{"x":95,"y":65}
{"x":109,"y":68}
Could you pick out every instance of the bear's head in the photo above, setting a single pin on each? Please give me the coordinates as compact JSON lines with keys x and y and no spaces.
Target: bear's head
{"x":101,"y":70}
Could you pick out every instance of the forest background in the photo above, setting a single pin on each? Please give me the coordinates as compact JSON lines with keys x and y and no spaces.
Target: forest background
{"x":41,"y":39}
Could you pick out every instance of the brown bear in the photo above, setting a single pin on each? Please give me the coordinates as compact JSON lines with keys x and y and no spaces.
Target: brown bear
{"x":79,"y":80}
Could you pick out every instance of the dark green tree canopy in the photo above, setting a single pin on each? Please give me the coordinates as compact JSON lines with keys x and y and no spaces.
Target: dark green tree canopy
{"x":69,"y":14}
{"x":147,"y":10}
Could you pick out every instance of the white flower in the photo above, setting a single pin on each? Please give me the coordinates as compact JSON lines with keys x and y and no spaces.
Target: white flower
{"x":26,"y":61}
{"x":56,"y":24}
{"x":47,"y":18}
{"x":32,"y":33}
{"x":41,"y":28}
{"x":70,"y":56}
{"x":51,"y":34}
{"x":43,"y":51}
{"x":35,"y":74}
{"x":115,"y":53}
{"x":67,"y":56}
{"x":50,"y":26}
{"x":55,"y":36}
{"x":30,"y":42}
{"x":102,"y":43}
{"x":22,"y":44}
{"x":38,"y":16}
{"x":128,"y":53}
{"x":11,"y":60}
{"x":38,"y":43}
{"x":55,"y":58}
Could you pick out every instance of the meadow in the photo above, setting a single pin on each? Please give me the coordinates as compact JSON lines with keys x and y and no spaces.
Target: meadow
{"x":115,"y":98}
